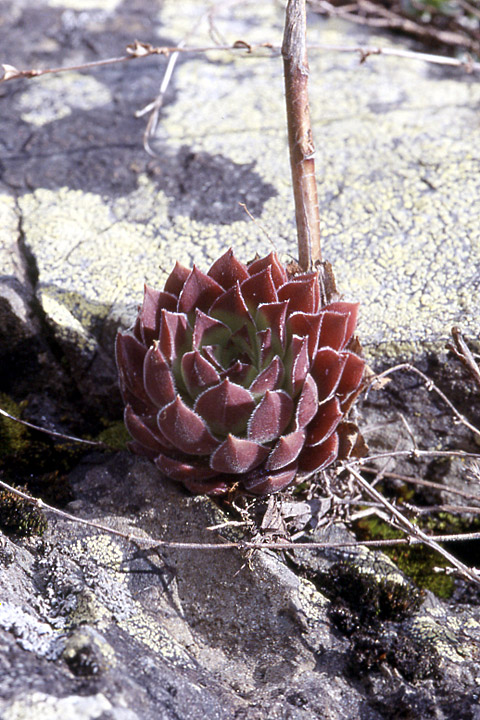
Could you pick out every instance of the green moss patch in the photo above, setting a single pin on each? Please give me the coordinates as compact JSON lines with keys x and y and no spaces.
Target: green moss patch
{"x":19,"y":517}
{"x":114,"y":435}
{"x":416,"y":561}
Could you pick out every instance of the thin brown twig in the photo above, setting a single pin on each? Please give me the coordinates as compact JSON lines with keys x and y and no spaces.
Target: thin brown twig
{"x":135,"y":51}
{"x":53,"y":433}
{"x":12,"y":73}
{"x":447,"y":37}
{"x":413,"y":530}
{"x":259,"y":225}
{"x":415,"y":454}
{"x":139,"y":51}
{"x":422,"y":482}
{"x":154,"y":544}
{"x":372,"y":14}
{"x":155,"y":106}
{"x":454,"y":509}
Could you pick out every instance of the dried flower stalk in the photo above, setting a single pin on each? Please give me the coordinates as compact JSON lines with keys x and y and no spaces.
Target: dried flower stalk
{"x":300,"y":139}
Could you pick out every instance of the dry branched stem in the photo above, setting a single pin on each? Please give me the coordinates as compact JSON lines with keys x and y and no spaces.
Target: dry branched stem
{"x":374,"y":14}
{"x":412,"y":530}
{"x":154,"y":107}
{"x":365,"y":52}
{"x":138,"y":51}
{"x":422,"y":482}
{"x":415,"y":454}
{"x":460,"y":348}
{"x":300,"y":138}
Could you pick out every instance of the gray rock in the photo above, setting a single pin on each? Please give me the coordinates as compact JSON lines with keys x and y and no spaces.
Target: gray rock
{"x":398,"y":179}
{"x":20,"y":327}
{"x":165,"y":633}
{"x":102,"y":626}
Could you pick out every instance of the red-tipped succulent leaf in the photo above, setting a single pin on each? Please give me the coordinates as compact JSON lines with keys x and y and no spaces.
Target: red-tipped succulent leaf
{"x":239,"y":377}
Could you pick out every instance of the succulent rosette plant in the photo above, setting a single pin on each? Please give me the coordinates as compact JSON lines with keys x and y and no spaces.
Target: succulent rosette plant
{"x":239,"y":376}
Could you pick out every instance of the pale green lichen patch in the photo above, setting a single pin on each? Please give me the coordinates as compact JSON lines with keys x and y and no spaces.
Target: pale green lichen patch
{"x":63,"y":319}
{"x":54,"y":97}
{"x":114,"y":601}
{"x":93,"y":261}
{"x":87,"y":260}
{"x":312,"y":602}
{"x":103,"y":550}
{"x":397,"y":178}
{"x":145,"y":629}
{"x":454,"y":638}
{"x":398,"y":188}
{"x":89,"y":611}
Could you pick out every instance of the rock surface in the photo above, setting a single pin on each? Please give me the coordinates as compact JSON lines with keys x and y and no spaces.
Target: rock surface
{"x":398,"y":174}
{"x":91,"y":627}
